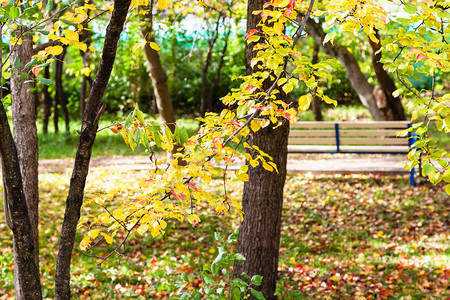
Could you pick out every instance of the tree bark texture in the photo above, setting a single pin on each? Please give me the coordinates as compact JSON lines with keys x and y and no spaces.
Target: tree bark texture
{"x":26,"y":271}
{"x":392,"y":107}
{"x":158,"y":75}
{"x":47,"y":101}
{"x":88,"y":131}
{"x":357,"y":79}
{"x":317,"y":102}
{"x":59,"y":91}
{"x":23,"y":105}
{"x":262,"y":200}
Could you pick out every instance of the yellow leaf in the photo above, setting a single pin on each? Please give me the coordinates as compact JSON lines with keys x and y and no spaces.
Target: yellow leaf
{"x":255,"y":125}
{"x":108,"y":238}
{"x":155,"y":46}
{"x":194,"y":219}
{"x":85,"y":243}
{"x":54,"y":50}
{"x":304,"y":102}
{"x":91,"y":7}
{"x":163,"y":4}
{"x":71,"y":35}
{"x":267,"y":167}
{"x":380,"y":233}
{"x":334,"y":278}
{"x":94,"y":233}
{"x":414,"y":115}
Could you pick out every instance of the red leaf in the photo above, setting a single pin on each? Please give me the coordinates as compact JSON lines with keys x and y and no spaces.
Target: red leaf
{"x":250,"y":33}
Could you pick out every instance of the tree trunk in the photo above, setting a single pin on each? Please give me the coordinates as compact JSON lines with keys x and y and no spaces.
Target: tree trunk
{"x":25,"y":138}
{"x":47,"y":100}
{"x":157,"y":74}
{"x":59,"y":91}
{"x":357,"y":79}
{"x":88,"y":132}
{"x":317,"y":102}
{"x":262,"y":200}
{"x":86,"y":55}
{"x":215,"y":83}
{"x":205,"y":68}
{"x":20,"y":173}
{"x":392,"y":106}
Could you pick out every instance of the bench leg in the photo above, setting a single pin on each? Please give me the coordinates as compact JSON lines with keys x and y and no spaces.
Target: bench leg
{"x":411,"y":177}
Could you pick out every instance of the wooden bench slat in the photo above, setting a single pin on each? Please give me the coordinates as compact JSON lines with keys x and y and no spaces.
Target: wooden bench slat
{"x":344,"y":133}
{"x":369,"y":132}
{"x":312,"y":141}
{"x":373,"y":149}
{"x":373,"y":141}
{"x":319,"y":133}
{"x":311,"y":149}
{"x":367,"y":124}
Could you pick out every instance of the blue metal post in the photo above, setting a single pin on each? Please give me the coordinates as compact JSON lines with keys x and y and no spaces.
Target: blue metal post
{"x":336,"y":129}
{"x":412,"y":139}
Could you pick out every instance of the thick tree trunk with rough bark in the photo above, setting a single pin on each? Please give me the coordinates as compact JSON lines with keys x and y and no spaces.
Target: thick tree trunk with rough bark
{"x":19,"y":194}
{"x":388,"y":104}
{"x":88,"y":132}
{"x":262,"y":200}
{"x":357,"y":79}
{"x":23,"y":105}
{"x":158,"y":75}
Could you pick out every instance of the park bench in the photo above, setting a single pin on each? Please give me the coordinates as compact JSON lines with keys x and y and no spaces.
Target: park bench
{"x":371,"y":137}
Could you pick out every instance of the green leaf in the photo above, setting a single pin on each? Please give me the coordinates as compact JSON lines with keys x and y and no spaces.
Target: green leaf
{"x":447,"y":189}
{"x":218,"y":237}
{"x":129,"y":120}
{"x":240,"y":283}
{"x":68,"y":22}
{"x":427,"y":168}
{"x":237,"y":294}
{"x":256,"y":280}
{"x":219,"y":258}
{"x":49,"y":7}
{"x":31,"y":63}
{"x":139,"y":115}
{"x":14,"y":12}
{"x":184,"y":277}
{"x":239,"y":257}
{"x":257,"y":294}
{"x":232,"y":238}
{"x":16,"y":63}
{"x":184,"y":135}
{"x":410,"y":8}
{"x":44,"y":81}
{"x":207,"y":278}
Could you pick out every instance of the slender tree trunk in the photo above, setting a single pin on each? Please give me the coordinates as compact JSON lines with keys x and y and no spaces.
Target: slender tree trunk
{"x":215,"y":83}
{"x":262,"y":200}
{"x":47,"y":100}
{"x":86,"y":55}
{"x":392,"y":106}
{"x":205,"y":68}
{"x":157,"y":74}
{"x":88,"y":132}
{"x":20,"y":160}
{"x":59,"y":91}
{"x":317,"y":102}
{"x":357,"y":79}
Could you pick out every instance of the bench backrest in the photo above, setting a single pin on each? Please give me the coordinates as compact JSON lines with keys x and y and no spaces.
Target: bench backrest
{"x":350,"y":137}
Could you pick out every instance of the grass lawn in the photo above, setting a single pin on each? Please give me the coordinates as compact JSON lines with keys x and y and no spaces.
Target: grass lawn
{"x":343,"y":237}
